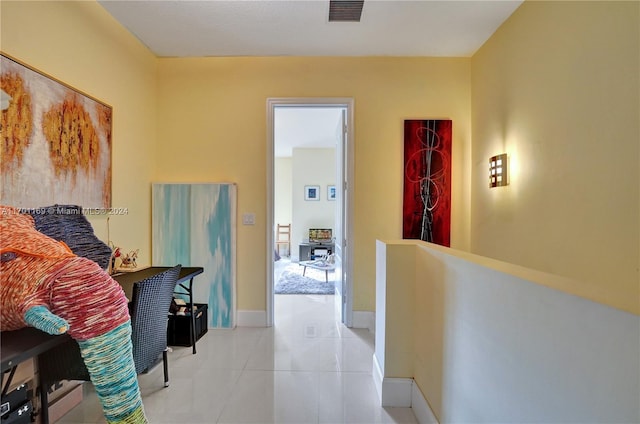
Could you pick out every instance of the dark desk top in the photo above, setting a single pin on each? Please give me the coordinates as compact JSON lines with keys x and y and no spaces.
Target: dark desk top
{"x":19,"y":345}
{"x":128,"y":279}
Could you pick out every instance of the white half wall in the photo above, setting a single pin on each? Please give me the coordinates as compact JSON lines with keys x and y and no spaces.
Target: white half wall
{"x":492,"y":342}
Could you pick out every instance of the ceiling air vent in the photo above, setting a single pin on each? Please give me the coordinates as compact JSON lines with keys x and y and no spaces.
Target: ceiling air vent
{"x":345,"y":10}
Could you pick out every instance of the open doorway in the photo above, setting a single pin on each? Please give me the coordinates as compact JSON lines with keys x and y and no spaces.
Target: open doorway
{"x":308,"y":187}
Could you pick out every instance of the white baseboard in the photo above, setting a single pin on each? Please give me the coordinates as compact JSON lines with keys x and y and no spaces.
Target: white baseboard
{"x":402,"y":392}
{"x":395,"y":392}
{"x":364,"y":319}
{"x":361,"y":319}
{"x":251,"y":319}
{"x":421,"y":408}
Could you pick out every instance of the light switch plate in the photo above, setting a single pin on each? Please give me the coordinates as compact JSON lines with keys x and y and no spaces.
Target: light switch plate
{"x":249,"y":219}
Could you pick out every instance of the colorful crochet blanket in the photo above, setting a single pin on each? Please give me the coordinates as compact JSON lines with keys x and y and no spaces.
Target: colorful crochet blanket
{"x":45,"y":285}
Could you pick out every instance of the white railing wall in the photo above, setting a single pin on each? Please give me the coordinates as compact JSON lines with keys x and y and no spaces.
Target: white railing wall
{"x":484,"y":341}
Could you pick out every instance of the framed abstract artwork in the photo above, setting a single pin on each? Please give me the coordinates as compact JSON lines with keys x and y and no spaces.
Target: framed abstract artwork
{"x":56,"y":141}
{"x":312,"y":192}
{"x":426,"y":213}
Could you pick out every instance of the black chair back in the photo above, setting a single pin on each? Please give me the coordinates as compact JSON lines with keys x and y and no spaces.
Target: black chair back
{"x":149,"y":310}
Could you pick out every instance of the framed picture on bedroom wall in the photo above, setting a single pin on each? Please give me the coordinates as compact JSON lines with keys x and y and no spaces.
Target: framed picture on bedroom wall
{"x":331,"y":192}
{"x":312,"y":192}
{"x":56,"y":145}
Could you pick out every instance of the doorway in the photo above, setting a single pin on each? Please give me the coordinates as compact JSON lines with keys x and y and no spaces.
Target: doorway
{"x":343,"y":148}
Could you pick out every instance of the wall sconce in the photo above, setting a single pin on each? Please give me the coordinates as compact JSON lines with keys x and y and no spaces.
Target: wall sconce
{"x":498,"y":171}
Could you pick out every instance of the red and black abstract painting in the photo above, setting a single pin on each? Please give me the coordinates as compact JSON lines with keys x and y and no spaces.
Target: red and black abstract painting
{"x":427,"y":181}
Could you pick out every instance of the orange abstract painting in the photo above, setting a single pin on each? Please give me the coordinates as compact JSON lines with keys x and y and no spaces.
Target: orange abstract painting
{"x":55,"y":141}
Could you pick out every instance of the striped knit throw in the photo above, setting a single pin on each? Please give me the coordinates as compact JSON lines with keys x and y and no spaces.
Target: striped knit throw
{"x":44,"y":285}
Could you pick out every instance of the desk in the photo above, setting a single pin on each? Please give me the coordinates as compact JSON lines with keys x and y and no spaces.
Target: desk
{"x":19,"y":345}
{"x":307,"y":251}
{"x":185,"y":282}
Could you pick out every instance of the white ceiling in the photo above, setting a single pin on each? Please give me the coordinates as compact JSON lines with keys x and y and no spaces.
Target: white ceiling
{"x":304,"y":127}
{"x":186,"y":28}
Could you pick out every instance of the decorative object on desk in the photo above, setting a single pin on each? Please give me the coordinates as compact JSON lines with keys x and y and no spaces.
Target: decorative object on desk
{"x":61,"y":155}
{"x":113,"y":261}
{"x":427,"y":181}
{"x":129,"y":260}
{"x":312,"y":192}
{"x":195,"y":225}
{"x":292,"y":281}
{"x":47,"y":286}
{"x":331,"y":192}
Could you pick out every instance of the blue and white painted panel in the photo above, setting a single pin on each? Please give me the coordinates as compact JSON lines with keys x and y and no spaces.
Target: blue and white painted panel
{"x":194,"y":224}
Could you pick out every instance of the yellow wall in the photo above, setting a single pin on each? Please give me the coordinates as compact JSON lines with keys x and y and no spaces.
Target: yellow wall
{"x":80,"y":44}
{"x":212,"y":127}
{"x":557,"y":88}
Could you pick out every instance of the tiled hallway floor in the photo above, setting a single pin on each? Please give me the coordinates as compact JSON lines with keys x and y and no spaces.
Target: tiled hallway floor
{"x":306,"y":369}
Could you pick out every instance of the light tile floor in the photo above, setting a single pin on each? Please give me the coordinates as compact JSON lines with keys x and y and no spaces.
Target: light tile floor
{"x":308,"y":368}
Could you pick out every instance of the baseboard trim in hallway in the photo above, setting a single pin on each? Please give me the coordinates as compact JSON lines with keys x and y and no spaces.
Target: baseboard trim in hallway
{"x":364,"y":319}
{"x":252,"y":318}
{"x":246,"y":318}
{"x":420,"y":406}
{"x":402,"y":392}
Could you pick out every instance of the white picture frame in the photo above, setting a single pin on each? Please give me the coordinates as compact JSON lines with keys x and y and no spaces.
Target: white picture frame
{"x":331,"y":192}
{"x":312,"y":192}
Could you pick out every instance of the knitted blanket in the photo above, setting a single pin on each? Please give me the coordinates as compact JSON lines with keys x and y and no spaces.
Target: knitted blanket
{"x":45,"y":285}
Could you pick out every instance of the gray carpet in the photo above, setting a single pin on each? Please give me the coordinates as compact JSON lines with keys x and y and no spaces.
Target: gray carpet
{"x":293,"y":282}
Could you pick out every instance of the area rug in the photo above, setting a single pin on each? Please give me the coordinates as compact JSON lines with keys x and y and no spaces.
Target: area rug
{"x":293,"y":282}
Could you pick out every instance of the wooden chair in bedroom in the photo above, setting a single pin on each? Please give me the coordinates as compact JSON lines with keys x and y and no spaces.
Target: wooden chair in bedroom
{"x":283,"y":238}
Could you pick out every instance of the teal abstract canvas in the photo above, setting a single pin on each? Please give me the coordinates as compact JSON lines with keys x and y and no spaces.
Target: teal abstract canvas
{"x":194,"y":225}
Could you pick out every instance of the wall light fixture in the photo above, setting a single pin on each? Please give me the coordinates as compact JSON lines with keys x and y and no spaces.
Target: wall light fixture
{"x":498,"y":171}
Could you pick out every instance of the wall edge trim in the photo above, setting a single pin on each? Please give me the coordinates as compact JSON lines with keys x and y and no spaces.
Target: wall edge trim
{"x":247,"y":318}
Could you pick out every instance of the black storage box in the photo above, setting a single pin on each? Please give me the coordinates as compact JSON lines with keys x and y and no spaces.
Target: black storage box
{"x":178,"y":329}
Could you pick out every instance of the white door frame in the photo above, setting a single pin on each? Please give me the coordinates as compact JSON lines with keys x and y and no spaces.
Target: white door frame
{"x":348,"y":103}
